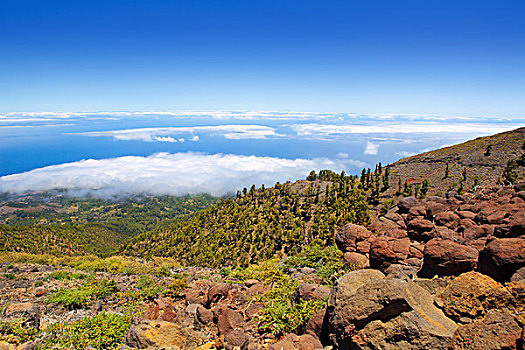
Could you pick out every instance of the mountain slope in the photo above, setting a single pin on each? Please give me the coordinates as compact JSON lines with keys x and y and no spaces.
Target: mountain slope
{"x":481,"y":161}
{"x":259,"y":224}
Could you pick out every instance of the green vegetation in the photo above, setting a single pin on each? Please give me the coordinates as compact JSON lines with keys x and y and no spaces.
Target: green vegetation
{"x":62,"y":275}
{"x":328,"y":261}
{"x":60,"y":240}
{"x":102,"y":331}
{"x":78,"y":298}
{"x":259,"y":224}
{"x":128,"y":216}
{"x":145,"y":290}
{"x":16,"y":331}
{"x":65,"y":226}
{"x":280,"y":315}
{"x":510,"y":172}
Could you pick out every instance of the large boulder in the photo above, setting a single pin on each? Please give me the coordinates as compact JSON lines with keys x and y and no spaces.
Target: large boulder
{"x":497,"y":331}
{"x":385,"y":250}
{"x":472,"y":294}
{"x":310,"y":291}
{"x":419,"y":229}
{"x":406,"y":203}
{"x":295,"y":342}
{"x":446,"y":257}
{"x":349,"y":235}
{"x":501,"y":258}
{"x":154,"y":334}
{"x":367,"y":311}
{"x":355,"y":260}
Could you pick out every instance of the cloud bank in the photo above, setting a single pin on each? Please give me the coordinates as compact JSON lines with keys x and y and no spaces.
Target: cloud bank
{"x":231,"y":132}
{"x":324,"y":130}
{"x":165,"y":173}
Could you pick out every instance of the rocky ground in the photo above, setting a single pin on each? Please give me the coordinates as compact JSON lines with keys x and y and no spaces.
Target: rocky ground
{"x":440,"y":273}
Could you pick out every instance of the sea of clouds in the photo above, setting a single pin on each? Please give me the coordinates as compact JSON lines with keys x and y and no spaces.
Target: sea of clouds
{"x":164,"y":173}
{"x":196,"y":163}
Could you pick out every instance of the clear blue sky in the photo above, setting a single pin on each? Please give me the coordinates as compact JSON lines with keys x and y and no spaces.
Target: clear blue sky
{"x":366,"y":56}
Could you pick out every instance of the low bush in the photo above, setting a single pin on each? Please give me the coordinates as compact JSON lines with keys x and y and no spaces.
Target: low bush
{"x":16,"y":332}
{"x":102,"y":331}
{"x":78,"y":298}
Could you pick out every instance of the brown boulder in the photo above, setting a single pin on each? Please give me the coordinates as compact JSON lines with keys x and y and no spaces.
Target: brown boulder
{"x":148,"y":334}
{"x":356,"y":260}
{"x":254,"y":310}
{"x":448,"y":219}
{"x":314,"y":326}
{"x":366,"y":311}
{"x":501,"y":258}
{"x":419,"y":229}
{"x":218,"y":292}
{"x":227,"y":319}
{"x":385,"y":250}
{"x":406,"y":203}
{"x":434,"y":208}
{"x":196,"y":296}
{"x":295,"y":342}
{"x":310,"y":291}
{"x":348,"y":235}
{"x":497,"y":331}
{"x":472,"y":294}
{"x":204,"y":315}
{"x":236,"y":339}
{"x":446,"y":257}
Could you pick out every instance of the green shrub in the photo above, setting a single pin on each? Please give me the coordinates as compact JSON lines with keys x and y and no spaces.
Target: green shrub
{"x":38,"y":283}
{"x":265,"y":271}
{"x":71,"y":298}
{"x":146,"y":289}
{"x":9,"y":276}
{"x":328,"y":261}
{"x":163,"y":271}
{"x":102,"y":331}
{"x":280,"y":316}
{"x":176,"y":287}
{"x":66,"y":275}
{"x":15,"y":332}
{"x":386,"y":206}
{"x":78,"y":298}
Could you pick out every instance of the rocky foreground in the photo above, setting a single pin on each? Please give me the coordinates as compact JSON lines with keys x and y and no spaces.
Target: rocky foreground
{"x":440,"y":273}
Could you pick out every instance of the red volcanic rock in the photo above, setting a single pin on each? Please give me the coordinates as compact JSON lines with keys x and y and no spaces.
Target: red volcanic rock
{"x":385,"y":250}
{"x":349,"y":235}
{"x":310,"y":291}
{"x":356,"y":260}
{"x":406,"y":203}
{"x":448,"y":219}
{"x":498,"y":331}
{"x":501,"y":258}
{"x":228,"y":320}
{"x":419,"y":229}
{"x":446,"y":257}
{"x":218,"y":292}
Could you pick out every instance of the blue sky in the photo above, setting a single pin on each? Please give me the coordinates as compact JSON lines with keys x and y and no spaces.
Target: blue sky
{"x":433,"y":57}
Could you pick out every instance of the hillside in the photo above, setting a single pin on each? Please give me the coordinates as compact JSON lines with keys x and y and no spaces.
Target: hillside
{"x":259,"y":223}
{"x":61,"y":240}
{"x":481,"y":161}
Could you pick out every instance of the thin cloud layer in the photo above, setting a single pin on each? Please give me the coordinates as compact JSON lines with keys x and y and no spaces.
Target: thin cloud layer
{"x":232,"y":132}
{"x":324,"y":130}
{"x":164,"y":173}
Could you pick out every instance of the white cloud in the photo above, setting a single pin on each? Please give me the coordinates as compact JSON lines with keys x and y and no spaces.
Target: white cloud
{"x":232,"y":132}
{"x":323,"y":130}
{"x":164,"y":173}
{"x":165,"y":139}
{"x":371,"y":148}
